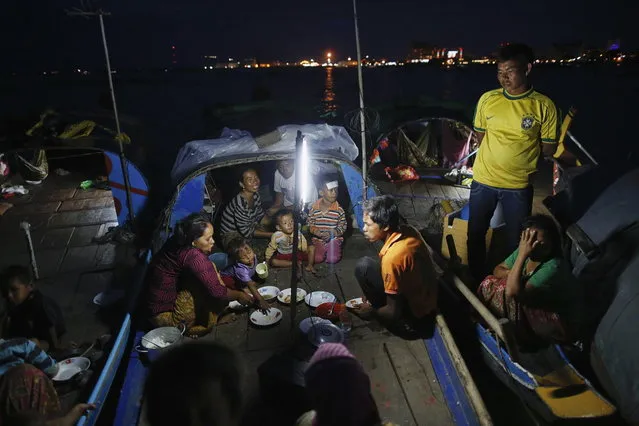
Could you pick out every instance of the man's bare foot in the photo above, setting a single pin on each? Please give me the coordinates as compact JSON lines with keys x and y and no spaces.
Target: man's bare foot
{"x":311,"y":269}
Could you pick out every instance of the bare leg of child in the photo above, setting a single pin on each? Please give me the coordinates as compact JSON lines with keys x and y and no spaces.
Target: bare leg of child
{"x":281,"y":263}
{"x":311,"y":259}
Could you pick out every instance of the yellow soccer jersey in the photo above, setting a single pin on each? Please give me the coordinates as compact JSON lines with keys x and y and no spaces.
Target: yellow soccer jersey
{"x":514,"y":127}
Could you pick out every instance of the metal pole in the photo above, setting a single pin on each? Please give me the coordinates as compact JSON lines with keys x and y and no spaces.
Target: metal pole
{"x":123,"y":162}
{"x":362,"y":120}
{"x":26,"y":227}
{"x":299,"y":141}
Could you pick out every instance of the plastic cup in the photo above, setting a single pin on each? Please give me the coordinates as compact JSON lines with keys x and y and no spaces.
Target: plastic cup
{"x":262,"y":270}
{"x":345,"y":321}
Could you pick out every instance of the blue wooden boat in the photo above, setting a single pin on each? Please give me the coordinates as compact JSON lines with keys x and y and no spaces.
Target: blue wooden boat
{"x":452,"y":398}
{"x":596,"y":381}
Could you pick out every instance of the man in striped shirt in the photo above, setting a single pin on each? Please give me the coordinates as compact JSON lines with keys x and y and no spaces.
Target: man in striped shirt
{"x":244,"y":216}
{"x":327,"y":225}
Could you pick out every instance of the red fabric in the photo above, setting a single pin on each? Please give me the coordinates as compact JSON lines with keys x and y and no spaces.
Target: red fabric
{"x":26,"y":392}
{"x":174,"y":264}
{"x":229,"y":282}
{"x":401,"y":173}
{"x":301,"y":256}
{"x":331,"y":252}
{"x":529,"y":322}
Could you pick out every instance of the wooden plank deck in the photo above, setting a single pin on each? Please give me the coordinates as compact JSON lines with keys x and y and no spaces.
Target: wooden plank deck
{"x":73,"y":268}
{"x":402,"y":378}
{"x":420,"y":210}
{"x":418,"y":200}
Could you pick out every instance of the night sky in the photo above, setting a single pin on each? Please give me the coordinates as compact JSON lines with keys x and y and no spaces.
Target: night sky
{"x":38,"y":35}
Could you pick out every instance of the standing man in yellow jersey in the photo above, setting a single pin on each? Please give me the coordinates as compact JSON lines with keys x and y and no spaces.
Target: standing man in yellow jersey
{"x":514,"y":125}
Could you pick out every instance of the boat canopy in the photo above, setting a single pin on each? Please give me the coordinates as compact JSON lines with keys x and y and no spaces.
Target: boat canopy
{"x":333,"y":141}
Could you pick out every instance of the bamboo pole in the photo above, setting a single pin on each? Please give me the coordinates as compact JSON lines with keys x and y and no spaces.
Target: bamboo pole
{"x":362,"y":118}
{"x":123,"y":160}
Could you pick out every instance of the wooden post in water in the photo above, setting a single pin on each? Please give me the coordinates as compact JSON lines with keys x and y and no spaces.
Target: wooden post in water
{"x":299,"y":143}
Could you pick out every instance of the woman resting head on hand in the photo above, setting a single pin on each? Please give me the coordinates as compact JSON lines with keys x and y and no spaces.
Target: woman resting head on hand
{"x":534,"y":287}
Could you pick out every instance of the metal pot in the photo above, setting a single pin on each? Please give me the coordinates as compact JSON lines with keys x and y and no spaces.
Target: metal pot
{"x":158,"y":340}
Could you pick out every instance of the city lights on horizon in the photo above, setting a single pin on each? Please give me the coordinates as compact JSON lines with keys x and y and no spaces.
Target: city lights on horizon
{"x":419,"y":55}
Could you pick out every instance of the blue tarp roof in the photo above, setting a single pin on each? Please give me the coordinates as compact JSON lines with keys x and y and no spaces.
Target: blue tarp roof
{"x":323,"y":139}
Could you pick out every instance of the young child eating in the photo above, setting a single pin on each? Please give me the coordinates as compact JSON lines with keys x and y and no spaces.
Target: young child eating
{"x":239,"y":275}
{"x":327,"y":224}
{"x":30,"y":314}
{"x":279,"y":252}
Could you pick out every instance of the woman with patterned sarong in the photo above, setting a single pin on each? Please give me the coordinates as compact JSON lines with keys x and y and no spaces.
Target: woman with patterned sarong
{"x":534,"y":287}
{"x":184,"y":286}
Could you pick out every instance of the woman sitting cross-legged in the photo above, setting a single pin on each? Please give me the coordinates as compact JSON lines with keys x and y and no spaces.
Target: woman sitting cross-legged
{"x":184,"y":286}
{"x":534,"y":287}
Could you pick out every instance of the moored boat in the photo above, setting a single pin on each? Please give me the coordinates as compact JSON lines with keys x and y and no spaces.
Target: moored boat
{"x":587,"y":382}
{"x":403,"y":373}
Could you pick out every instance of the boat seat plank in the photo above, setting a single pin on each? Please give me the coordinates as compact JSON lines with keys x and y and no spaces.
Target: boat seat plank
{"x":569,"y":396}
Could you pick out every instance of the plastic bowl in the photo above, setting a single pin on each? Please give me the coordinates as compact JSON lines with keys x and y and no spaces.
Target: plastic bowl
{"x":323,"y":310}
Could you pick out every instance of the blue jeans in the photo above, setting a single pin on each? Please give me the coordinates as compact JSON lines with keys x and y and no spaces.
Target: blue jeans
{"x":516,"y":205}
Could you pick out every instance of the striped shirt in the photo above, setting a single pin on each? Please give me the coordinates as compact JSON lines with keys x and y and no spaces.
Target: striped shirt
{"x":239,"y":217}
{"x":172,"y":265}
{"x":331,"y":221}
{"x":19,"y":351}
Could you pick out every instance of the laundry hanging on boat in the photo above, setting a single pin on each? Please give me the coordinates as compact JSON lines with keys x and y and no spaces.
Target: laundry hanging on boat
{"x":433,"y":143}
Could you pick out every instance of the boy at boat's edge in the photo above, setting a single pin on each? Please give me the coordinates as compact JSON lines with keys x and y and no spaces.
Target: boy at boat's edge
{"x":30,"y":314}
{"x":400,"y":289}
{"x":514,"y":126}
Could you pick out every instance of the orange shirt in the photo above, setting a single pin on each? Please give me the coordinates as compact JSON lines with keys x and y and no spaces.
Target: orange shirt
{"x":408,"y":269}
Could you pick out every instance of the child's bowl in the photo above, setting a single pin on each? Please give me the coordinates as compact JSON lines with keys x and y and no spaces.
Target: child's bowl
{"x":323,"y":310}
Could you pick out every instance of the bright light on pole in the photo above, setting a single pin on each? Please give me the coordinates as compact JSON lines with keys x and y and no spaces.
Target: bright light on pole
{"x":304,"y":168}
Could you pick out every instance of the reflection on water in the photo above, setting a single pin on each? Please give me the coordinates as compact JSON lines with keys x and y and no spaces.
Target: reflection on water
{"x":328,"y":100}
